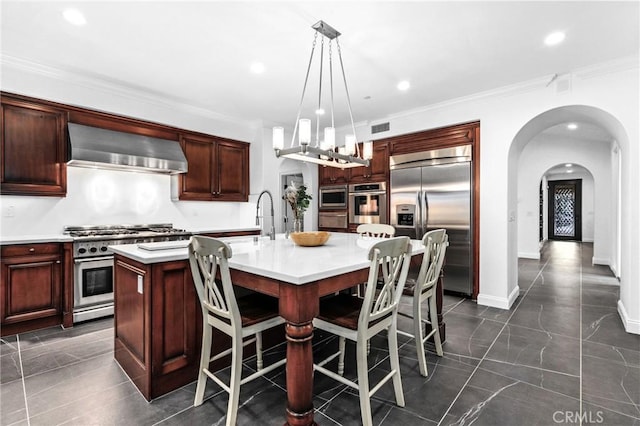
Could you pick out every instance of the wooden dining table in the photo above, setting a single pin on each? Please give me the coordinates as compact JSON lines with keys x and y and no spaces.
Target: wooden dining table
{"x":299,"y":277}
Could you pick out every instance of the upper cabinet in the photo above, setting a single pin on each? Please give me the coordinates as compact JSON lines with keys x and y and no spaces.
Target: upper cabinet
{"x":378,"y":169}
{"x":33,"y":149}
{"x":332,"y":175}
{"x":218,"y":169}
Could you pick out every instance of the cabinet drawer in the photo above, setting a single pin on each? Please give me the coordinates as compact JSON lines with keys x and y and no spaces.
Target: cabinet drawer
{"x":30,"y":249}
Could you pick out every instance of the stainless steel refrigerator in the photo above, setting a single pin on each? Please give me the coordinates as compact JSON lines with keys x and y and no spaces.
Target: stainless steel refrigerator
{"x":432,"y":190}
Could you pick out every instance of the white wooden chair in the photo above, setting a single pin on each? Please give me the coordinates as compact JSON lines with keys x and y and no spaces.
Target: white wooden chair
{"x":435,"y":246}
{"x":373,"y":230}
{"x":359,"y":319}
{"x":238,"y":318}
{"x":376,"y":230}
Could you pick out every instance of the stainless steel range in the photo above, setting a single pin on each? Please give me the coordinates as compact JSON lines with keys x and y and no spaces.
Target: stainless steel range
{"x":93,"y":262}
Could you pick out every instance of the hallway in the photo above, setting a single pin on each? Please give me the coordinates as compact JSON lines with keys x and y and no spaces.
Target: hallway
{"x":560,"y":351}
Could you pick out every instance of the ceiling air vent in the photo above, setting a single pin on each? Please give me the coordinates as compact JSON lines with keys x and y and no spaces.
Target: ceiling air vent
{"x":378,"y":128}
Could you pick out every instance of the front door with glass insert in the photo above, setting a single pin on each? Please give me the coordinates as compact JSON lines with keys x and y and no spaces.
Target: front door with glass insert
{"x":565,"y":206}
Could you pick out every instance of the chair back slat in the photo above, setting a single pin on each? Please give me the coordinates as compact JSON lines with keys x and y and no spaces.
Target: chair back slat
{"x":435,"y":246}
{"x":391,"y":257}
{"x":208,"y":256}
{"x":376,"y":230}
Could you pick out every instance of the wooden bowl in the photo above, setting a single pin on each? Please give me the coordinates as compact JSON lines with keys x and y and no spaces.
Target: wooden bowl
{"x":310,"y":239}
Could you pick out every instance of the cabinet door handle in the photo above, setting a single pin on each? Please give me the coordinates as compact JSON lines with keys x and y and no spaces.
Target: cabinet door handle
{"x":31,"y":250}
{"x":57,"y":262}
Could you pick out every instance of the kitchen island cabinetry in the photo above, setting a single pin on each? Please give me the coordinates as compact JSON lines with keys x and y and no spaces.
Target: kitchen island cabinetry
{"x":218,"y":169}
{"x":31,"y":287}
{"x":33,"y":148}
{"x":378,"y":168}
{"x":157,"y":324}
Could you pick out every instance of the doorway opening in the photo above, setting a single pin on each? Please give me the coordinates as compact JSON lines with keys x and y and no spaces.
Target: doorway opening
{"x":286,"y":180}
{"x":565,"y":206}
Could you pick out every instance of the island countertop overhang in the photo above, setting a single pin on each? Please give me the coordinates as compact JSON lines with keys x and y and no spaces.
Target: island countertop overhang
{"x":279,"y":259}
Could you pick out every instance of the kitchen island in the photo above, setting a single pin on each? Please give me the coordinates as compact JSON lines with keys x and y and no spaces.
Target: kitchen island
{"x":157,"y":327}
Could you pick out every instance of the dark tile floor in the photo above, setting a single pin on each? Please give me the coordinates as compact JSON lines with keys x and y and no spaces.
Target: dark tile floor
{"x":559,"y":356}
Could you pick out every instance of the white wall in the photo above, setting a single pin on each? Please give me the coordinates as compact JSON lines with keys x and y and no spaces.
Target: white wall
{"x":544,"y":152}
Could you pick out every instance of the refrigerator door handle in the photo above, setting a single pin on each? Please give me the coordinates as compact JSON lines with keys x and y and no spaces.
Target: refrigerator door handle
{"x":426,"y":213}
{"x":418,"y":216}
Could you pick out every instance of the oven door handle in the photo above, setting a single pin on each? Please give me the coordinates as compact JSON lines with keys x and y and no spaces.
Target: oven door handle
{"x":369,"y":193}
{"x":92,"y":259}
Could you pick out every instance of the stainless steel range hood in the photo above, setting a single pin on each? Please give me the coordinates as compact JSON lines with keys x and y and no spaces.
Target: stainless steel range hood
{"x":101,"y":148}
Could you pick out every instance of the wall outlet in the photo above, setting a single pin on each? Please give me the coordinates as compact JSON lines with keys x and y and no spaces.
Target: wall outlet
{"x":9,"y":211}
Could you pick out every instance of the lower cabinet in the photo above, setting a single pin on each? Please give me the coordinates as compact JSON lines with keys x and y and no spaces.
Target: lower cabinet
{"x":31,"y":290}
{"x":158,"y":324}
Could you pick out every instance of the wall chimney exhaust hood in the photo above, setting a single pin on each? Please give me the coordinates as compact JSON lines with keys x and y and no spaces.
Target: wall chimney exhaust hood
{"x":101,"y":148}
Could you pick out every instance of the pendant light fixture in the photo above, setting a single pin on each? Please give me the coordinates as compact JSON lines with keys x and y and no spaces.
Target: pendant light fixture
{"x":322,"y":149}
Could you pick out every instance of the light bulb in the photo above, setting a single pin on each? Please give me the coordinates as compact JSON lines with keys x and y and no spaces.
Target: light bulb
{"x":350,"y":144}
{"x":367,"y":150}
{"x":304,"y":135}
{"x":330,"y":138}
{"x":278,"y":137}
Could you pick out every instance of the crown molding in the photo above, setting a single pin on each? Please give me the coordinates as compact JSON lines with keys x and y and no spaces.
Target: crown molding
{"x":116,"y":88}
{"x":596,"y":70}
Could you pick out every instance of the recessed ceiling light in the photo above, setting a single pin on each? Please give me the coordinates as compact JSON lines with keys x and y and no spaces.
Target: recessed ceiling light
{"x":554,"y":38}
{"x":404,"y":85}
{"x":572,"y":126}
{"x":568,"y":165}
{"x":74,"y":16}
{"x":569,"y":171}
{"x":257,"y":67}
{"x":320,"y":111}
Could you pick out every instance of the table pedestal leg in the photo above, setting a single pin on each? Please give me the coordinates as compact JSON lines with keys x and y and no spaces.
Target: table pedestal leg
{"x":299,"y":374}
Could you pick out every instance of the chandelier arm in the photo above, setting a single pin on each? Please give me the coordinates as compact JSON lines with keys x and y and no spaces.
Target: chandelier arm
{"x":346,"y":89}
{"x":319,"y":93}
{"x":304,"y":89}
{"x":331,"y":82}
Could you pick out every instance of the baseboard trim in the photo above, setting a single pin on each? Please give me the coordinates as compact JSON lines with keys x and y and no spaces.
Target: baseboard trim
{"x":630,"y":326}
{"x":599,"y":261}
{"x":499,"y":302}
{"x":525,"y":255}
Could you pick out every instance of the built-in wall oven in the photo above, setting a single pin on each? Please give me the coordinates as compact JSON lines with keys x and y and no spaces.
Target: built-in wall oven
{"x":368,"y":203}
{"x":93,"y":262}
{"x":332,"y":197}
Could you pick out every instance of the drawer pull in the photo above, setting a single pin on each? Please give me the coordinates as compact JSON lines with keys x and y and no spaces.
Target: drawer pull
{"x":31,"y":250}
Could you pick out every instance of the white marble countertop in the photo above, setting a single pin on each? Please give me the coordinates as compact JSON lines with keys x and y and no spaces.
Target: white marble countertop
{"x":33,"y":239}
{"x":279,"y":259}
{"x":209,"y":230}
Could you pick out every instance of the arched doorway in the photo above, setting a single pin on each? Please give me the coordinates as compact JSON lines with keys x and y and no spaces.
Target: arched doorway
{"x":541,"y":136}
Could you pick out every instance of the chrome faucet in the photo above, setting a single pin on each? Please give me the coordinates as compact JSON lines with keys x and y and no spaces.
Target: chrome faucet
{"x":272,"y":232}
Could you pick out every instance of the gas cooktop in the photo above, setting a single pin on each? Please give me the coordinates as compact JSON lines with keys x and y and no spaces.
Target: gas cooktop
{"x":113,"y":232}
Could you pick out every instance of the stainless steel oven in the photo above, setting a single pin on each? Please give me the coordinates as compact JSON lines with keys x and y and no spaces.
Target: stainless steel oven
{"x":93,"y":288}
{"x":368,"y":203}
{"x":93,"y":262}
{"x":332,"y":197}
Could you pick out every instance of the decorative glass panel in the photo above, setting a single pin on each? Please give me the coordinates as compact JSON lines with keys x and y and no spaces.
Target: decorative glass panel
{"x":564,"y":215}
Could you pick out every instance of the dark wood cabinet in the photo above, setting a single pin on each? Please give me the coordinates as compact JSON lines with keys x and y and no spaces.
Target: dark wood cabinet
{"x":378,"y":168}
{"x":332,"y":175}
{"x":31,"y":290}
{"x":218,"y":169}
{"x":158,"y":324}
{"x":33,"y":149}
